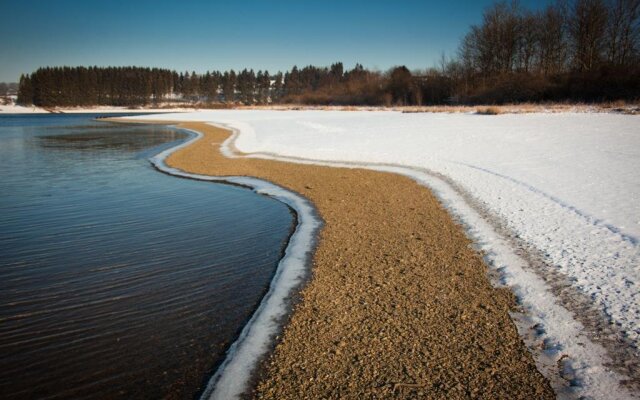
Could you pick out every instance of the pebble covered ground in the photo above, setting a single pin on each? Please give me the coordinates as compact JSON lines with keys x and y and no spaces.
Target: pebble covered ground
{"x":399,"y":304}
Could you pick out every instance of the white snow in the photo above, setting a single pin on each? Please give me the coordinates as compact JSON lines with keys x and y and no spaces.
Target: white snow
{"x":13,"y":109}
{"x":564,"y":188}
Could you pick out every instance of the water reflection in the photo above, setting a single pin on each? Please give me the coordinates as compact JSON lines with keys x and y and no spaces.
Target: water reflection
{"x":117,"y":281}
{"x":107,"y":139}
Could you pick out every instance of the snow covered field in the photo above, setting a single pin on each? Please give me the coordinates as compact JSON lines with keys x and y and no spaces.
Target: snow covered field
{"x":554,"y":200}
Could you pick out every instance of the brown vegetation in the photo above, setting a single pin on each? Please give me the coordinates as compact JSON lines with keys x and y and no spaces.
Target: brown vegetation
{"x":619,"y":106}
{"x":489,"y":111}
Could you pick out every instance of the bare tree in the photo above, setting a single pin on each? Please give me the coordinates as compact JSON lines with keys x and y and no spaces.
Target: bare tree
{"x":501,"y":27}
{"x":623,"y":31}
{"x":493,"y":46}
{"x":587,"y":30}
{"x":552,"y":40}
{"x":528,"y":40}
{"x":469,"y":50}
{"x":443,"y":63}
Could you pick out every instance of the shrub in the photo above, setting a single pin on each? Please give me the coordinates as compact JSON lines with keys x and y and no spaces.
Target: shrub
{"x":488,"y":111}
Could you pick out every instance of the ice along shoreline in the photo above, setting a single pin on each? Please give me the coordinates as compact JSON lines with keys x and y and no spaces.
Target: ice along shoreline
{"x":234,"y":375}
{"x":600,"y":381}
{"x":588,"y":371}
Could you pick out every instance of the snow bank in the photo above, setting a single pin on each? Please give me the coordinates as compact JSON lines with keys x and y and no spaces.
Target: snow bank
{"x":13,"y":109}
{"x":552,"y":199}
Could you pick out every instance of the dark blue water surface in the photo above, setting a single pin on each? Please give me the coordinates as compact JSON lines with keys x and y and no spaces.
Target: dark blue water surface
{"x":117,"y":281}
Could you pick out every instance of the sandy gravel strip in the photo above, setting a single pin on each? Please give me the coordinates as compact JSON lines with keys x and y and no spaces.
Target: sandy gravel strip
{"x":399,"y":304}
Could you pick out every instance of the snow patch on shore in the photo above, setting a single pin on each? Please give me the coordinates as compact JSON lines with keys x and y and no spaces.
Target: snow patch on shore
{"x":14,"y":109}
{"x":563,"y":185}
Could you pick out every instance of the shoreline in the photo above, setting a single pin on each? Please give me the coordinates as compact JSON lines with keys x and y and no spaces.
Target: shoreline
{"x":235,"y":373}
{"x":282,"y":367}
{"x":593,"y":344}
{"x":251,"y":347}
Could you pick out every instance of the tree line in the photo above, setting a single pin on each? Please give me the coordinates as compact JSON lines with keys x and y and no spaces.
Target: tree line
{"x":584,"y":50}
{"x":578,"y":50}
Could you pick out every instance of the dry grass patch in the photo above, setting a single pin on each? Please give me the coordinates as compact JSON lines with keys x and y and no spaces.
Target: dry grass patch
{"x":489,"y":111}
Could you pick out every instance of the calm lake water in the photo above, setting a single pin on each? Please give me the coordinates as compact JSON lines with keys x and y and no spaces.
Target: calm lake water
{"x":117,"y":281}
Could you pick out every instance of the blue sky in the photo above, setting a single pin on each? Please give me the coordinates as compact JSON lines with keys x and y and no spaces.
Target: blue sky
{"x":208,"y":35}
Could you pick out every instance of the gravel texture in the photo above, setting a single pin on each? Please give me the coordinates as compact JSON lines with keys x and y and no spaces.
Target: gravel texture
{"x":399,"y":304}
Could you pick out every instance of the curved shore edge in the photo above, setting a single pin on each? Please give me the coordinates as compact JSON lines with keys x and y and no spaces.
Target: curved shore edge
{"x":590,"y":370}
{"x":233,"y":376}
{"x":585,"y":373}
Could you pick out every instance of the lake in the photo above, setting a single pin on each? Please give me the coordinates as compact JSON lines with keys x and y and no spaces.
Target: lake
{"x":116,"y":280}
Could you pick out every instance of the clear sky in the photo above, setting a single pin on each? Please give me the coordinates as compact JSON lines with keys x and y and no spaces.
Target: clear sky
{"x":205,"y":35}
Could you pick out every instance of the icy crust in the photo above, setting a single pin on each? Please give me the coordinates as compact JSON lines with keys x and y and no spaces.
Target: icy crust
{"x":585,"y":367}
{"x":561,"y":188}
{"x":233,"y":376}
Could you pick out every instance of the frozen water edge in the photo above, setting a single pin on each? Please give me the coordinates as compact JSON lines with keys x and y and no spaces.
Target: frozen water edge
{"x":233,"y":376}
{"x":564,"y":244}
{"x":560,"y":187}
{"x":576,"y":366}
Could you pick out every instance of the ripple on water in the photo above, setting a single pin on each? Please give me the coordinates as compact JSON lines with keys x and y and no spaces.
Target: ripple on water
{"x":117,"y":281}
